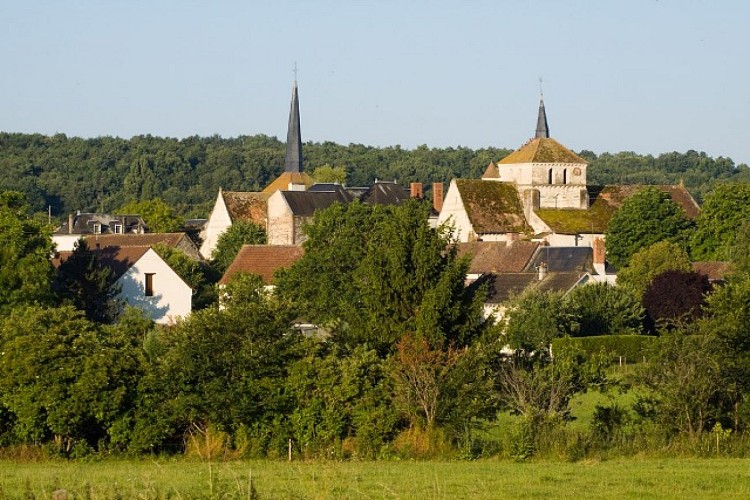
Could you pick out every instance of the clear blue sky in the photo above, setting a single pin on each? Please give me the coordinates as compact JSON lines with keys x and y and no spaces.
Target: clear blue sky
{"x":645,"y":76}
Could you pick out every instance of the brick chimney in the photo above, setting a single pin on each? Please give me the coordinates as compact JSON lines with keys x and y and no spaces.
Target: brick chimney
{"x":599,"y":256}
{"x":415,"y":190}
{"x":437,"y":196}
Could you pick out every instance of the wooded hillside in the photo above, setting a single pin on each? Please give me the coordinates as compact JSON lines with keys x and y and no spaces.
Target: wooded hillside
{"x":104,"y":173}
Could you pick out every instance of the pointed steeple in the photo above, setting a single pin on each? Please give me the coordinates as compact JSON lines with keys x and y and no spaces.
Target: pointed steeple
{"x":542,"y":129}
{"x":293,"y":161}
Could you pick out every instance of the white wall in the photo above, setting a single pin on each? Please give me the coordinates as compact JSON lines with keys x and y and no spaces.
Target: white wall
{"x":280,"y":221}
{"x":454,"y":214}
{"x":218,"y":222}
{"x":65,"y":242}
{"x":172,"y":297}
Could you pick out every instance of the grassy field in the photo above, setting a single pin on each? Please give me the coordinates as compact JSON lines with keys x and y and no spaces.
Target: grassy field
{"x":634,"y":478}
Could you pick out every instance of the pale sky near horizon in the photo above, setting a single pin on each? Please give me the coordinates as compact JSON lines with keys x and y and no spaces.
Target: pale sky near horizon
{"x":645,"y":76}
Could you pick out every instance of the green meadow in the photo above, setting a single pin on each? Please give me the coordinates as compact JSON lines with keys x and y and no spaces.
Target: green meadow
{"x":180,"y":478}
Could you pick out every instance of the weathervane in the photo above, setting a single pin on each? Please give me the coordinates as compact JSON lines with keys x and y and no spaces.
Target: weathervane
{"x":541,"y":90}
{"x":295,"y":71}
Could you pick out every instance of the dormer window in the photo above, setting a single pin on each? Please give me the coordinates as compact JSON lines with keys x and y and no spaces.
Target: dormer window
{"x":97,"y":229}
{"x":117,"y":228}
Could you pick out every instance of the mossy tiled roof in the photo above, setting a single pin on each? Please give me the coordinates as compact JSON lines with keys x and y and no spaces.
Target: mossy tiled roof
{"x":492,"y":207}
{"x":605,"y":201}
{"x":246,"y":205}
{"x":542,"y":150}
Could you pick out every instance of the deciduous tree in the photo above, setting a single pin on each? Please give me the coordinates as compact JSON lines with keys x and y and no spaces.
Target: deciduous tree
{"x":603,"y":309}
{"x":647,"y":217}
{"x":25,"y":250}
{"x":651,"y":261}
{"x":724,"y":211}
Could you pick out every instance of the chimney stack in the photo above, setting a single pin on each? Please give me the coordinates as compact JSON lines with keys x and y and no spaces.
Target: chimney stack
{"x":415,"y":190}
{"x":599,"y":256}
{"x":542,"y":271}
{"x":71,"y":221}
{"x":437,"y":196}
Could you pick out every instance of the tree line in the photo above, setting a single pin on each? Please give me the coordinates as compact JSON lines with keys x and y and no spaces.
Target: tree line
{"x":64,"y":174}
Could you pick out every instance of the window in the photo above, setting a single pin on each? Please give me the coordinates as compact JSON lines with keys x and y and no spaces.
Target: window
{"x":117,"y":228}
{"x":97,"y":229}
{"x":150,"y":284}
{"x":565,"y":176}
{"x":549,"y":177}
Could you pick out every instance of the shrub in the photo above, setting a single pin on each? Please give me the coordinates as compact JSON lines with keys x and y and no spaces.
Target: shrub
{"x":631,"y":347}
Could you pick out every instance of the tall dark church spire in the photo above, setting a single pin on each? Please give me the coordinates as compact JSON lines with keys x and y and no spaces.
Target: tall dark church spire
{"x":542,"y":129}
{"x":293,"y":162}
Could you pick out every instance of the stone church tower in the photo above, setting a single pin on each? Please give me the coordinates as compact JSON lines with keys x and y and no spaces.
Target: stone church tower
{"x":546,"y":173}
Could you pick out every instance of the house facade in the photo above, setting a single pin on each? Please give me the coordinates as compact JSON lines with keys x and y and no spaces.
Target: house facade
{"x":149,"y":284}
{"x":84,"y":224}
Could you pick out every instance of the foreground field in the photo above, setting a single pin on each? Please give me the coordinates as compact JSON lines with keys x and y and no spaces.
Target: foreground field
{"x":668,"y":478}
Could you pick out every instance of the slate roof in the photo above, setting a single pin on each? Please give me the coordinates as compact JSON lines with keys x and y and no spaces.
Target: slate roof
{"x":83,"y":223}
{"x":326,"y":187}
{"x":385,"y":193}
{"x":542,"y":150}
{"x":498,"y":256}
{"x":263,"y":260}
{"x":492,"y":207}
{"x":566,"y":266}
{"x":249,"y":206}
{"x":564,"y":259}
{"x":603,"y":203}
{"x":305,"y":203}
{"x":293,"y":159}
{"x":502,"y":286}
{"x":542,"y":128}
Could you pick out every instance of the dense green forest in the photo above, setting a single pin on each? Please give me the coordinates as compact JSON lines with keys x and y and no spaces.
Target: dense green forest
{"x":105,"y":173}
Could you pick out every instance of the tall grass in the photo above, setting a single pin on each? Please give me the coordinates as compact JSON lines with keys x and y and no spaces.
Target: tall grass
{"x":157,"y":479}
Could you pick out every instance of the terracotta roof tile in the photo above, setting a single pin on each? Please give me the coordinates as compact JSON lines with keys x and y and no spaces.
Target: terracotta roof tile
{"x":498,"y":256}
{"x":542,"y":150}
{"x":715,"y":270}
{"x":263,"y":260}
{"x":492,"y":207}
{"x":140,"y":240}
{"x":491,"y":172}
